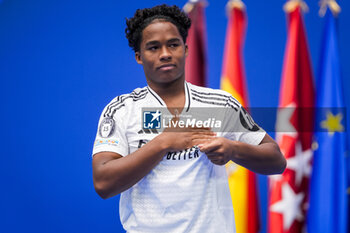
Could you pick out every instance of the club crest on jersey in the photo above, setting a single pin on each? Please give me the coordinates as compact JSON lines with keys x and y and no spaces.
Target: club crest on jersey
{"x":106,"y":127}
{"x":247,"y":120}
{"x":152,"y":119}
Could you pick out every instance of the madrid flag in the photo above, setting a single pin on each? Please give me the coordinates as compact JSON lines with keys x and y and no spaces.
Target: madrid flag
{"x":242,"y":182}
{"x":289,"y":192}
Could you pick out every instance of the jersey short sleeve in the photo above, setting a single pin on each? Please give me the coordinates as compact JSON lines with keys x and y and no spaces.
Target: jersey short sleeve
{"x":240,"y":126}
{"x":111,"y":133}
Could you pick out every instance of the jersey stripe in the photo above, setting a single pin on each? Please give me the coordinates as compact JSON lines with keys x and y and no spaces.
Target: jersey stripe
{"x":113,"y":107}
{"x":155,"y":96}
{"x":210,"y":97}
{"x":227,"y":97}
{"x":234,"y":101}
{"x":229,"y":101}
{"x":121,"y":99}
{"x":215,"y":103}
{"x":188,"y":97}
{"x":210,"y":93}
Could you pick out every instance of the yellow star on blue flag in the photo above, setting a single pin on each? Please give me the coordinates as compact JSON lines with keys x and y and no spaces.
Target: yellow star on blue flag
{"x":332,"y":123}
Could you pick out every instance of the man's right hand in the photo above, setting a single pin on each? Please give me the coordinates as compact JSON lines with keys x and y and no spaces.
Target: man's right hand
{"x":183,"y":138}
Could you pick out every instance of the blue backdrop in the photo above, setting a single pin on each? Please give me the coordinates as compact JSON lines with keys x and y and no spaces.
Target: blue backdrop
{"x":62,"y":61}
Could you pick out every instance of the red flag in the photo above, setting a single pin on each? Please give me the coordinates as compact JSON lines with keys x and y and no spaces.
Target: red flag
{"x":289,"y":191}
{"x":195,"y":68}
{"x":242,"y":182}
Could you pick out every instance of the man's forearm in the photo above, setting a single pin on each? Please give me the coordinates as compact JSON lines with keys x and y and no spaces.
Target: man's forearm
{"x":265,"y":158}
{"x":113,"y":176}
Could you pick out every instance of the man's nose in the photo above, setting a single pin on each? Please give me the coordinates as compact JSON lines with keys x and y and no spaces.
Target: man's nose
{"x":165,"y":53}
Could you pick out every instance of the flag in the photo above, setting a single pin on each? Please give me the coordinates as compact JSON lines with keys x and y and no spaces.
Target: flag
{"x":288,"y":193}
{"x":328,"y":198}
{"x":195,"y":67}
{"x":242,"y":182}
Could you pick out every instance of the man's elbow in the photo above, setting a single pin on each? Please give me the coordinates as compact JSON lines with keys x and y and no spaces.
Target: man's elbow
{"x":278,"y":161}
{"x":281,"y":162}
{"x":103,"y":190}
{"x":281,"y":165}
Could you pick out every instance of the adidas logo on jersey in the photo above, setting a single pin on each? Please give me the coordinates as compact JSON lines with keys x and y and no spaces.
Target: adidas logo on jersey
{"x":148,"y":131}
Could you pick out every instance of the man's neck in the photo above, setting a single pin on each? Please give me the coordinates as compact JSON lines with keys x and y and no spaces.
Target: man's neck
{"x":169,"y":90}
{"x":173,"y":94}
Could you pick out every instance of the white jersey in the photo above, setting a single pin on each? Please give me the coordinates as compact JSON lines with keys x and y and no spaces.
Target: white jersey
{"x":185,"y":192}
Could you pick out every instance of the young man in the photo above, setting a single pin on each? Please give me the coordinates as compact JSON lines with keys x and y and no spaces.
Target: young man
{"x":173,"y":181}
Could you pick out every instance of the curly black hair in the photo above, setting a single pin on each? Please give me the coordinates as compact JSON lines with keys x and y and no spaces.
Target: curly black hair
{"x":143,"y":17}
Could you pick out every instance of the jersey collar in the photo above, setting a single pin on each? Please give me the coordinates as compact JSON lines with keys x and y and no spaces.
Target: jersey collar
{"x":187,"y":97}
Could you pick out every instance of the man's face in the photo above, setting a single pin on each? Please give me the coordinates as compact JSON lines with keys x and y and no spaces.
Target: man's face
{"x":162,"y":53}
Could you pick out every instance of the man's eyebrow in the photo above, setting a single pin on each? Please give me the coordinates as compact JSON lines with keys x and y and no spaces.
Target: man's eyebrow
{"x":152,"y":42}
{"x":174,"y":40}
{"x":156,"y":42}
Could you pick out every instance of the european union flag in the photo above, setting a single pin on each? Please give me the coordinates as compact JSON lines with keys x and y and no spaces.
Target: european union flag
{"x":328,"y":197}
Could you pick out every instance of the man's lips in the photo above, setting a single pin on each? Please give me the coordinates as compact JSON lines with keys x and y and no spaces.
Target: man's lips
{"x":166,"y":67}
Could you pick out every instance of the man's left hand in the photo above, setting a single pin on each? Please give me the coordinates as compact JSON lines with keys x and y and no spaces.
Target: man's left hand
{"x":218,"y":150}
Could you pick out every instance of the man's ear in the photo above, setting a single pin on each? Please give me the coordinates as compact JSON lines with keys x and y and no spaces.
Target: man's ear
{"x":186,"y":50}
{"x":138,"y":57}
